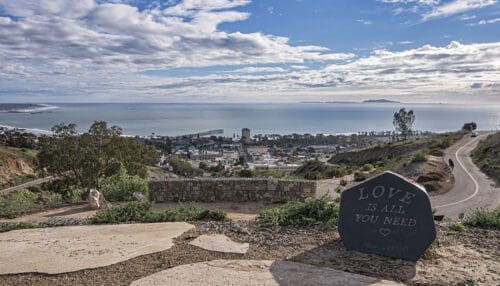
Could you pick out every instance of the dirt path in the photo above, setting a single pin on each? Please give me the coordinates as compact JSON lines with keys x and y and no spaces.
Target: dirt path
{"x":472,"y":189}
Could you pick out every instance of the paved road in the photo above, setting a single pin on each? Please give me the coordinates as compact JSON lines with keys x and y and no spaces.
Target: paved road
{"x":25,"y":185}
{"x":472,"y":189}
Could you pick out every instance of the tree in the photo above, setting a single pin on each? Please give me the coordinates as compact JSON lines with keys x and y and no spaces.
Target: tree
{"x":403,"y":121}
{"x":470,"y":126}
{"x":84,"y":159}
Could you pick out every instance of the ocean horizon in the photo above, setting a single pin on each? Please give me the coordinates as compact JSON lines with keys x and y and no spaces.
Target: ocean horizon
{"x":173,"y":119}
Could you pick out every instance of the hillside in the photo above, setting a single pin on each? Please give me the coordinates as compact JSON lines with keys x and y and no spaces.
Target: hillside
{"x":16,"y":166}
{"x":487,"y":156}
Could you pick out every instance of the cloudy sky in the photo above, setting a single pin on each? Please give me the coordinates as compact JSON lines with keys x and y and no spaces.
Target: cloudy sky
{"x":249,"y":51}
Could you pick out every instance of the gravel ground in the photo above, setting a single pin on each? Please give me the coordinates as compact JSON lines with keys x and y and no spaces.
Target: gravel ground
{"x":452,"y":260}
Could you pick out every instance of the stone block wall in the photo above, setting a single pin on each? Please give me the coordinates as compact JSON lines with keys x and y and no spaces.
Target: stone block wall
{"x":231,"y":190}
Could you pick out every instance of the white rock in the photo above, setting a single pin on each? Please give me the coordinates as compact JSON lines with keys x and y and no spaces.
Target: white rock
{"x":96,"y":199}
{"x":256,"y":272}
{"x":73,"y":248}
{"x":140,"y":197}
{"x":220,"y":243}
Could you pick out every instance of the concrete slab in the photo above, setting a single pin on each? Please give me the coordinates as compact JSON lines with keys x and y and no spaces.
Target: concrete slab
{"x":256,"y":272}
{"x":220,"y":243}
{"x":72,"y":248}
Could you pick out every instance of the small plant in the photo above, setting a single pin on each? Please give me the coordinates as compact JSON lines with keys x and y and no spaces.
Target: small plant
{"x":359,"y":176}
{"x":367,"y":167}
{"x":20,"y":225}
{"x":456,"y":228}
{"x":489,"y":219}
{"x":17,"y":202}
{"x":144,"y":212}
{"x":343,"y":182}
{"x":302,"y":213}
{"x":420,"y":156}
{"x":121,"y":186}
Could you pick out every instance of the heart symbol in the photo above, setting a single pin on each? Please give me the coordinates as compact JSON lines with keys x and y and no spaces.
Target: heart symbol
{"x":384,"y":231}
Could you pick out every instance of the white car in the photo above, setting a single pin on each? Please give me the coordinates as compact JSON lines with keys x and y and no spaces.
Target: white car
{"x":474,"y":134}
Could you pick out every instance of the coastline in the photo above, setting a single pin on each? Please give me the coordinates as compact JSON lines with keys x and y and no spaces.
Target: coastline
{"x":26,"y":108}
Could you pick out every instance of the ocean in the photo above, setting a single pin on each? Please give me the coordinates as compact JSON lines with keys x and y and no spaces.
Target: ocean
{"x":262,"y":118}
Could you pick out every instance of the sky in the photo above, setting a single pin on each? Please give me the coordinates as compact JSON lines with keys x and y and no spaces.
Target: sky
{"x":418,"y":51}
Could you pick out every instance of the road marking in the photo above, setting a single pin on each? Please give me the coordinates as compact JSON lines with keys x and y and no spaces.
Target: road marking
{"x":470,"y":175}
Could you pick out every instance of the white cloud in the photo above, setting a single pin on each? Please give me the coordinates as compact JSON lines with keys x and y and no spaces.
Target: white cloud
{"x":364,"y":22}
{"x":90,"y":35}
{"x":457,"y":6}
{"x":259,"y":70}
{"x":97,"y":51}
{"x":485,"y":22}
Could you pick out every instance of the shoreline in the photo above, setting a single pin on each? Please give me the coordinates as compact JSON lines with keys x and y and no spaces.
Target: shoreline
{"x":26,"y":107}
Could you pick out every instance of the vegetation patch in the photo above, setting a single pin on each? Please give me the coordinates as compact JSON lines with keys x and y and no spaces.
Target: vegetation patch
{"x":487,"y":156}
{"x":20,"y":225}
{"x":144,"y":212}
{"x":17,"y":203}
{"x":456,"y":228}
{"x":489,"y":219}
{"x":317,"y":170}
{"x":122,"y":186}
{"x":420,"y":156}
{"x":307,"y":213}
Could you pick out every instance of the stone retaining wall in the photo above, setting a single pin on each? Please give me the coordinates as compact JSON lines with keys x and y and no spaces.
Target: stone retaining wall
{"x":231,"y":190}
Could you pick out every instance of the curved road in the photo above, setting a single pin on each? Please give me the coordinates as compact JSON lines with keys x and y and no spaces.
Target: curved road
{"x":472,"y":189}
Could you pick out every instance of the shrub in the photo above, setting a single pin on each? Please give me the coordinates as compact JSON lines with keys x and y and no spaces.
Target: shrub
{"x":420,"y":156}
{"x":245,"y":173}
{"x":20,"y":225}
{"x":367,"y":167}
{"x":359,"y":176}
{"x":456,"y":227}
{"x":50,"y":199}
{"x":144,"y":212}
{"x":76,"y":195}
{"x":302,"y":213}
{"x":121,"y":186}
{"x":343,"y":182}
{"x":484,"y":219}
{"x":17,"y":202}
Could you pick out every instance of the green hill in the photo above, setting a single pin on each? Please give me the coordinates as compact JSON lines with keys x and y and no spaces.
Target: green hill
{"x":487,"y":156}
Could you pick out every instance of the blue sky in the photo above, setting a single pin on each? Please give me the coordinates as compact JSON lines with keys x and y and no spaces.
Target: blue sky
{"x":250,"y":51}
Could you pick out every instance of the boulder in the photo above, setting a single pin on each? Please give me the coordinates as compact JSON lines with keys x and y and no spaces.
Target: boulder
{"x":96,"y":200}
{"x":140,"y":197}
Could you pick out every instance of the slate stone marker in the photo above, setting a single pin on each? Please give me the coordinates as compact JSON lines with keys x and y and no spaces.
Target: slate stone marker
{"x":387,"y":215}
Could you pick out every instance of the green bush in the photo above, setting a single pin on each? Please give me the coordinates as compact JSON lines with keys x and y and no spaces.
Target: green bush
{"x":359,"y":176}
{"x":367,"y":167}
{"x":76,"y":195}
{"x":484,"y":219}
{"x":121,"y":186}
{"x":17,"y":202}
{"x":20,"y":225}
{"x":50,"y":199}
{"x":302,"y":213}
{"x":144,"y":212}
{"x":245,"y":173}
{"x":457,"y":227}
{"x":420,"y":156}
{"x":343,"y":182}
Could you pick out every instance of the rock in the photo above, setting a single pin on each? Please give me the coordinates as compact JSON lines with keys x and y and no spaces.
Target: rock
{"x":140,"y":197}
{"x":220,"y":243}
{"x":96,"y":200}
{"x":64,"y":249}
{"x":256,"y":272}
